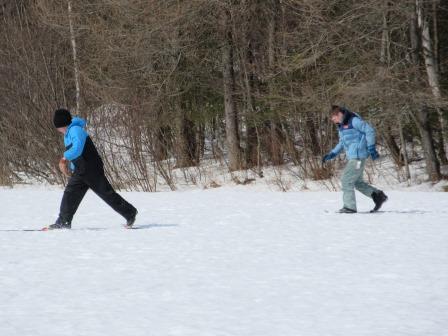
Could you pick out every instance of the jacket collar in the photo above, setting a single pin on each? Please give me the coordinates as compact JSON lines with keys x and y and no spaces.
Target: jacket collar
{"x":348,"y":116}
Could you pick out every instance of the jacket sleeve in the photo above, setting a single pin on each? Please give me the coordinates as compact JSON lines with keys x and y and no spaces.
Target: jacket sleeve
{"x":78,"y":139}
{"x":365,"y":128}
{"x":338,"y":148}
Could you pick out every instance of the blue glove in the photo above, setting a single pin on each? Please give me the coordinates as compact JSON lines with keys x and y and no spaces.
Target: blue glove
{"x":372,"y":151}
{"x":328,"y":157}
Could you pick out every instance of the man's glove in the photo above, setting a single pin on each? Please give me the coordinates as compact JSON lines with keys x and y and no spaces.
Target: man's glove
{"x":372,"y":151}
{"x":328,"y":157}
{"x":63,"y":167}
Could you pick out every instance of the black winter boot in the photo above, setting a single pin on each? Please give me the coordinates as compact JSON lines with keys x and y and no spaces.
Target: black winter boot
{"x":130,"y":222}
{"x":379,"y":198}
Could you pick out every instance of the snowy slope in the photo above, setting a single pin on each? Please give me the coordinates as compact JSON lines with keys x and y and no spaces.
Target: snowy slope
{"x":225,"y":262}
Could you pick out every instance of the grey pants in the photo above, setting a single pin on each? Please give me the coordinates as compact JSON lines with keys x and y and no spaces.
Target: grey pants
{"x":351,"y":180}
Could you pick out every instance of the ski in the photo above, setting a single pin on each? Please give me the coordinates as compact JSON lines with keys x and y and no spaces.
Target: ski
{"x":354,"y":213}
{"x":45,"y":229}
{"x":22,"y":230}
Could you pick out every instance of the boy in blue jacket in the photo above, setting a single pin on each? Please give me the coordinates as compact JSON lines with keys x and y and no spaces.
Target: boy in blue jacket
{"x":86,"y":172}
{"x":357,"y":138}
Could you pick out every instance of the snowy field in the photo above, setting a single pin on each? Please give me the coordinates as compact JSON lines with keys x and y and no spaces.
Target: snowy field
{"x":225,"y":262}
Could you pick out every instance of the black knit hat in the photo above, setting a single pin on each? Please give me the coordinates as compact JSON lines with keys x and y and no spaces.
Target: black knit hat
{"x":62,"y":118}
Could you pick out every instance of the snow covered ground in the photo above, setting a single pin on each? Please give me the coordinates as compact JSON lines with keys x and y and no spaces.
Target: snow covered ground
{"x":225,"y":262}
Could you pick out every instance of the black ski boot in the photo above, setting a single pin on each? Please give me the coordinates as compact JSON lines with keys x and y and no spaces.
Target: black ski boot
{"x":346,"y":210}
{"x":130,"y":222}
{"x":60,"y":224}
{"x":379,"y":198}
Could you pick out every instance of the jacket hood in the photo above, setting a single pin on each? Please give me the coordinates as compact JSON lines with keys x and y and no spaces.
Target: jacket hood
{"x":348,"y":115}
{"x":78,"y":122}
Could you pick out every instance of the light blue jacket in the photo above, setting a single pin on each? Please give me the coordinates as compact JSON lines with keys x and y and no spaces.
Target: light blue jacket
{"x":355,"y":135}
{"x":74,"y":140}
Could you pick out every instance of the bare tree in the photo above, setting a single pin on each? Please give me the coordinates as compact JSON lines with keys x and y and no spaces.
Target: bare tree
{"x":75,"y":55}
{"x":431,"y":65}
{"x":230,"y":109}
{"x":247,"y":83}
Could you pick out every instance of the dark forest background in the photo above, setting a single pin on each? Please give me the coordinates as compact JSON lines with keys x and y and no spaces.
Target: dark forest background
{"x":247,"y":84}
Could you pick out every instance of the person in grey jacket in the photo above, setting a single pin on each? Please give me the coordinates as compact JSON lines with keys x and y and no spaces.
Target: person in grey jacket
{"x":358,"y":140}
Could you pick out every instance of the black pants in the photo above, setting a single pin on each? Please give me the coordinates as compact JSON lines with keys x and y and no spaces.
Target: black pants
{"x":96,"y":180}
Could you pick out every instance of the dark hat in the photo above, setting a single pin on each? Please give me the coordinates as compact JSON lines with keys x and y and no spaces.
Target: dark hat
{"x":62,"y":118}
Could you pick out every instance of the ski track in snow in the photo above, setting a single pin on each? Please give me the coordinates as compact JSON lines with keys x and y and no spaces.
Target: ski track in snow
{"x":225,"y":262}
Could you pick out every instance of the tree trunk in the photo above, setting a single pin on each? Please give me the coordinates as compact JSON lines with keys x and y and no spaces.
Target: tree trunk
{"x":385,"y":41}
{"x":404,"y":151}
{"x":435,"y":29}
{"x":252,"y":153}
{"x":230,"y":111}
{"x":275,"y":147}
{"x":161,"y":143}
{"x":186,"y":141}
{"x":431,"y":66}
{"x":421,"y":117}
{"x":432,"y":163}
{"x":185,"y":135}
{"x":442,"y":152}
{"x":385,"y":58}
{"x":200,"y":142}
{"x":75,"y":56}
{"x":392,"y":146}
{"x":413,"y":34}
{"x":441,"y":148}
{"x":314,"y":143}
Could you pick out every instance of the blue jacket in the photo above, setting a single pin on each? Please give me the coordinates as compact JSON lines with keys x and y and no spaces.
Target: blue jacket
{"x":354,"y":136}
{"x":74,"y":140}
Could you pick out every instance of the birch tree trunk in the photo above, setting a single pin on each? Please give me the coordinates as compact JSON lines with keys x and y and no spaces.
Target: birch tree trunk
{"x":75,"y":56}
{"x":431,"y":66}
{"x":422,"y":114}
{"x":441,"y":135}
{"x":428,"y":52}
